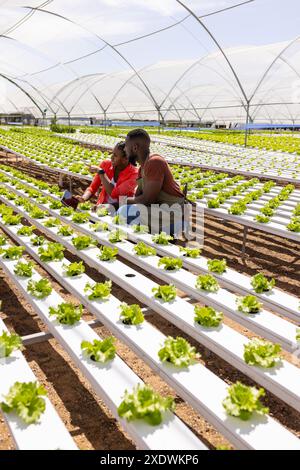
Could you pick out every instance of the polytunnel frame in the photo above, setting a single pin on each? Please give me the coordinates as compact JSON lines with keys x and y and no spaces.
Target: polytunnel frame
{"x":137,"y":74}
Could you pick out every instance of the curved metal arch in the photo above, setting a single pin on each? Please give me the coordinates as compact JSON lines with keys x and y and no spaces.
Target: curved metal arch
{"x":144,"y":36}
{"x":219,"y":47}
{"x":41,"y":95}
{"x":124,"y":84}
{"x":259,"y":106}
{"x":182,"y":93}
{"x":243,"y":104}
{"x":21,"y":77}
{"x":71,"y":82}
{"x":103,"y":77}
{"x":79,"y":99}
{"x":23,"y":91}
{"x":25,"y":18}
{"x":109,"y":45}
{"x":196,"y":64}
{"x":272,"y":64}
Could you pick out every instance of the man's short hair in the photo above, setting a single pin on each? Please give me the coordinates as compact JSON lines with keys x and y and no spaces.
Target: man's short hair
{"x":139,"y":134}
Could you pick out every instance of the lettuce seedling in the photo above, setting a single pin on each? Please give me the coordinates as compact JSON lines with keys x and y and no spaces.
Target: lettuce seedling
{"x":208,"y":283}
{"x":165,"y":293}
{"x":178,"y":352}
{"x":248,"y":304}
{"x":25,"y":399}
{"x":262,"y":353}
{"x":131,"y":314}
{"x":9,"y":343}
{"x":67,"y":313}
{"x":99,"y":291}
{"x":243,"y":401}
{"x":145,"y":404}
{"x":261,"y":284}
{"x":208,"y":317}
{"x":100,"y":351}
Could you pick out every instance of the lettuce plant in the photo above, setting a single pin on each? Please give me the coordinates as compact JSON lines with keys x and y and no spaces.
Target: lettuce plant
{"x":3,"y":240}
{"x":140,"y":229}
{"x":170,"y":264}
{"x":12,"y":219}
{"x":117,"y":236}
{"x":99,"y":291}
{"x":37,"y":213}
{"x":141,"y":249}
{"x":66,"y":211}
{"x":261,"y":284}
{"x":100,"y":351}
{"x":262,"y":353}
{"x":131,"y":314}
{"x":85,"y":206}
{"x":190,"y":252}
{"x":65,"y":231}
{"x":146,"y":404}
{"x":51,"y":252}
{"x":262,"y":219}
{"x":178,"y":352}
{"x":119,"y":220}
{"x":294,"y":225}
{"x":39,"y":289}
{"x":83,"y":242}
{"x":162,"y":239}
{"x":25,"y":399}
{"x":165,"y":293}
{"x":213,"y":203}
{"x":38,"y":241}
{"x":24,"y":269}
{"x":99,"y":227}
{"x":80,"y":217}
{"x":74,"y":269}
{"x":67,"y":313}
{"x":248,"y":304}
{"x":243,"y":401}
{"x":102,"y":212}
{"x":238,"y":208}
{"x":52,"y":222}
{"x":108,"y":254}
{"x":217,"y":266}
{"x":54,"y":205}
{"x":208,"y":317}
{"x":9,"y":343}
{"x":13,"y":252}
{"x":208,"y":283}
{"x":25,"y":231}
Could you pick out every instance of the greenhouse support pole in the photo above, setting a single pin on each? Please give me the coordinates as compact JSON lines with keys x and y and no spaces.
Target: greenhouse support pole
{"x":158,"y":114}
{"x":69,"y":119}
{"x":105,"y":130}
{"x":247,"y":123}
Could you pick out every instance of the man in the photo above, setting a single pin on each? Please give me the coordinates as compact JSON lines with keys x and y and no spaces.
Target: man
{"x":157,"y":188}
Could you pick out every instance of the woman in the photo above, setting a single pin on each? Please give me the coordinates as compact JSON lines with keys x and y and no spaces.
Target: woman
{"x":116,"y":178}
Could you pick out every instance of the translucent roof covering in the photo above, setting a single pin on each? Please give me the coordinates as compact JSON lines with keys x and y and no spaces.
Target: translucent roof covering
{"x":141,"y":59}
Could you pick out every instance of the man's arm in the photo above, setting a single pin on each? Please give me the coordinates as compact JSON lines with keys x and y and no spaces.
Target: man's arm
{"x":149,"y":195}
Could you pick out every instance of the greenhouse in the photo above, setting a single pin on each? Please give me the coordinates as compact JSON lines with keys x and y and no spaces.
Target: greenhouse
{"x":149,"y":226}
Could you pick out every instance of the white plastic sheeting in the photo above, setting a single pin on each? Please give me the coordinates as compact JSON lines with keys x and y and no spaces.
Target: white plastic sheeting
{"x":135,"y":59}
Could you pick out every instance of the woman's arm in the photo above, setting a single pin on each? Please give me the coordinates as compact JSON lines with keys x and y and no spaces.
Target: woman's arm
{"x":108,"y":186}
{"x":85,"y":197}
